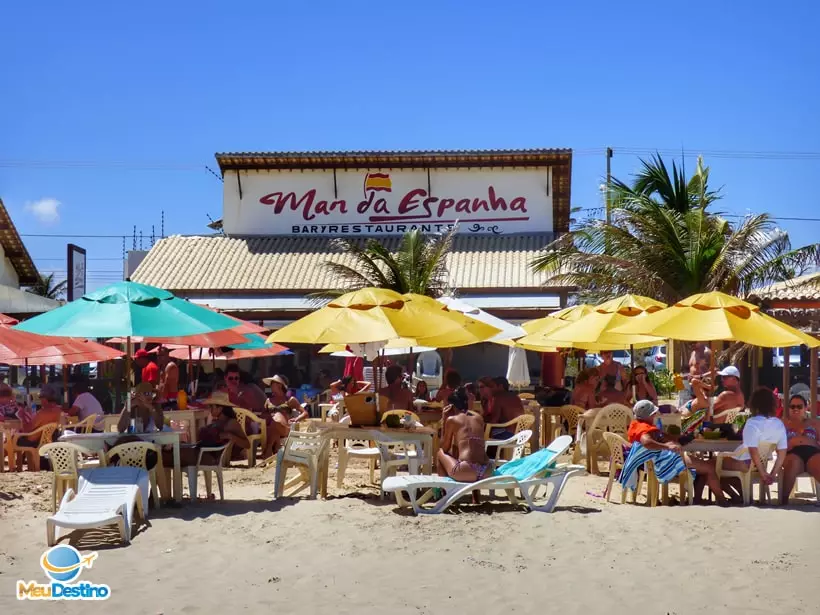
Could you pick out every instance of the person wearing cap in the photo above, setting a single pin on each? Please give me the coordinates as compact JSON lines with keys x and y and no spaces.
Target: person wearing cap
{"x":281,"y":411}
{"x":649,"y":443}
{"x":150,"y":370}
{"x":730,"y":397}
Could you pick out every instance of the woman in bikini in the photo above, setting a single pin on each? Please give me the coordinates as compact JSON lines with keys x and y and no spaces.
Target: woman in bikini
{"x":462,"y":456}
{"x":281,"y":412}
{"x":803,"y":454}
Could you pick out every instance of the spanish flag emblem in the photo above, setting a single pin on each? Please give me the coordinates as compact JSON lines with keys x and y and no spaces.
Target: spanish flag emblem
{"x":378,"y":182}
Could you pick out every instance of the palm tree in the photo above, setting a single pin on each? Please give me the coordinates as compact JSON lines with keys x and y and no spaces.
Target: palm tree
{"x":418,"y":265}
{"x":46,"y":287}
{"x":663,"y":242}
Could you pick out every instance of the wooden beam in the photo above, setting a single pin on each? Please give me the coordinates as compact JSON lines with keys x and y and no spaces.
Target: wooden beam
{"x":813,"y":381}
{"x":786,"y":375}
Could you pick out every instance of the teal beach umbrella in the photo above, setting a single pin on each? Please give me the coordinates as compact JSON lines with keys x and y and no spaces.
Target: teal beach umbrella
{"x":128,"y":309}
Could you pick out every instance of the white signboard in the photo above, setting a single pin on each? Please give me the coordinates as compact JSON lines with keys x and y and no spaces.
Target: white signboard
{"x":387,"y":201}
{"x":76,"y":272}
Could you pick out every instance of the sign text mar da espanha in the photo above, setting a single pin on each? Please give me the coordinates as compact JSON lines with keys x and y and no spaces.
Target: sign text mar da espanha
{"x":491,"y":202}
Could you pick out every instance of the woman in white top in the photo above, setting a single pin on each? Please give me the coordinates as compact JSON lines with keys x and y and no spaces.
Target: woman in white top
{"x":763,"y":426}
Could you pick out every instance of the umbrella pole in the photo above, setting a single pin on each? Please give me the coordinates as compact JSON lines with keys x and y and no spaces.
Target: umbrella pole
{"x":632,"y":368}
{"x":65,"y":387}
{"x":190,"y":373}
{"x":28,"y":385}
{"x":128,"y":350}
{"x":712,"y":373}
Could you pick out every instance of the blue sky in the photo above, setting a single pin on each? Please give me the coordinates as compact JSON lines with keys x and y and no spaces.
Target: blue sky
{"x":132,"y":100}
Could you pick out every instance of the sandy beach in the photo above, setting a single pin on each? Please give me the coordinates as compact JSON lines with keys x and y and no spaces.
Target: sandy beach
{"x":353,"y":553}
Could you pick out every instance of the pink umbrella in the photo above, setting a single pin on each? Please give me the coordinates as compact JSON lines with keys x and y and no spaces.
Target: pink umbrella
{"x":68,"y":351}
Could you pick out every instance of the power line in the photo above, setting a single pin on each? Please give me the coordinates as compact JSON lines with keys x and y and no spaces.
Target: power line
{"x":68,"y":236}
{"x":588,"y":151}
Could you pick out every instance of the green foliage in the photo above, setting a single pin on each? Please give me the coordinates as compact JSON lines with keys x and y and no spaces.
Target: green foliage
{"x":663,"y":381}
{"x":46,"y":287}
{"x":418,"y":266}
{"x":664,"y":242}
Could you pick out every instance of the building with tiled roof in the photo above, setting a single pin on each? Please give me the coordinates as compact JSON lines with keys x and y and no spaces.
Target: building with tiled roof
{"x":281,"y":210}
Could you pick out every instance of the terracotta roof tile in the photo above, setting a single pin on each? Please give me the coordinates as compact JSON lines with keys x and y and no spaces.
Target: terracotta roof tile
{"x":802,"y":288}
{"x":292,"y":263}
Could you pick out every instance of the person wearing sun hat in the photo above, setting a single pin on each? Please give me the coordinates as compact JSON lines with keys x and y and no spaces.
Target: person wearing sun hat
{"x":223,"y":429}
{"x":281,"y":411}
{"x":649,"y":443}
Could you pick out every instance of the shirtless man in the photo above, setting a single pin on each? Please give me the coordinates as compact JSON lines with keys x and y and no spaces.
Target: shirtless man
{"x":699,"y":359}
{"x":610,"y":367}
{"x":730,"y":397}
{"x":610,"y":394}
{"x":505,"y":407}
{"x":168,"y":376}
{"x":462,"y":456}
{"x":400,"y":397}
{"x":584,"y":394}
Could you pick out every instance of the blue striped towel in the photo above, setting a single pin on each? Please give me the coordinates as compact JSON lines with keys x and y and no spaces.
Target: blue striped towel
{"x":668,"y":465}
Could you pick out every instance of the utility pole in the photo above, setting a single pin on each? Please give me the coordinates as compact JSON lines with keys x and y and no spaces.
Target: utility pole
{"x":608,"y":184}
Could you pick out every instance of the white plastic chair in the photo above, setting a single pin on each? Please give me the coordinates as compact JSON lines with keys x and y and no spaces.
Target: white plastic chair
{"x":66,"y":460}
{"x":394,"y":455}
{"x":613,"y":418}
{"x":750,"y":475}
{"x":106,"y":496}
{"x":356,"y":449}
{"x":135,"y":455}
{"x":208,"y":470}
{"x":516,"y":444}
{"x":304,"y":451}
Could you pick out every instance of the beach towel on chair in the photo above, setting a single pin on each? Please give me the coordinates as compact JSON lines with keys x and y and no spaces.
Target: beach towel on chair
{"x":668,"y":465}
{"x":529,"y":466}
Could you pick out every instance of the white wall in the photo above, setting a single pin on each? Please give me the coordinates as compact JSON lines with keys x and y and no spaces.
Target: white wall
{"x":8,"y":275}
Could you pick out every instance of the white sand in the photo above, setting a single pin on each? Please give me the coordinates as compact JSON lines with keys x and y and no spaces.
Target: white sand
{"x":356,"y":554}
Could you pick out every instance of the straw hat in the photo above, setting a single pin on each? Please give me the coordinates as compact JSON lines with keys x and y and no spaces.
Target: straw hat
{"x":278,"y":379}
{"x":220,"y":398}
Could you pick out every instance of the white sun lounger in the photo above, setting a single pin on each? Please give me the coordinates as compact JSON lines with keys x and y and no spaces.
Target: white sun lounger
{"x":419,"y":489}
{"x":105,"y":496}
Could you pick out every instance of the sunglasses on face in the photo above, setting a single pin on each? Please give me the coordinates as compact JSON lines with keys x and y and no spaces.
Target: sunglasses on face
{"x":229,"y":378}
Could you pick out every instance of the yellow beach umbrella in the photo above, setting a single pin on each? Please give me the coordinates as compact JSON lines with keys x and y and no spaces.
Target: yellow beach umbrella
{"x":717,"y":316}
{"x":555,"y":321}
{"x":380,"y":315}
{"x":597,"y":327}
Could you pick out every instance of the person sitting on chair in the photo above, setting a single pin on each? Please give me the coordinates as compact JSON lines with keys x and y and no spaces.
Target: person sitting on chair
{"x":401,"y":397}
{"x":803,"y":454}
{"x":505,"y":407}
{"x":462,"y":456}
{"x":144,"y":408}
{"x":648,"y":443}
{"x":282,"y":411}
{"x":223,"y":429}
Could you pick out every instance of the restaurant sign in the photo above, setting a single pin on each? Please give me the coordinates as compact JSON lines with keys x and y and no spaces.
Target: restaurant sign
{"x":387,"y":201}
